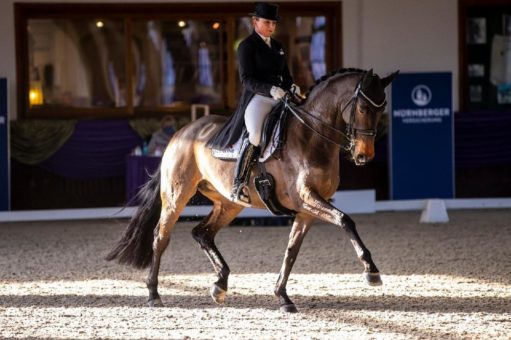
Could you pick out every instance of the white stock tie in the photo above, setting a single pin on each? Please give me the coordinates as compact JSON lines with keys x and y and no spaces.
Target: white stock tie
{"x":267,"y":41}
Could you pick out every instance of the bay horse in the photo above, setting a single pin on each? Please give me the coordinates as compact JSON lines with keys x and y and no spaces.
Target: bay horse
{"x":306,"y":177}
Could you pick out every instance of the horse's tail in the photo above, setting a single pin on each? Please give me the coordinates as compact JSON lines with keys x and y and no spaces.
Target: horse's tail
{"x":135,"y":247}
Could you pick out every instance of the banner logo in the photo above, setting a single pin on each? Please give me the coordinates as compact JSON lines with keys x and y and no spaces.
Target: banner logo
{"x":421,"y":95}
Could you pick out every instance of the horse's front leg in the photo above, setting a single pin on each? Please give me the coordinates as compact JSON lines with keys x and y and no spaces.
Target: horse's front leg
{"x":300,"y":227}
{"x":317,"y":206}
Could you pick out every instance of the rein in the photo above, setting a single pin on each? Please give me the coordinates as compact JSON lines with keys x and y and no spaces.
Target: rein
{"x":351,"y":131}
{"x":328,"y":139}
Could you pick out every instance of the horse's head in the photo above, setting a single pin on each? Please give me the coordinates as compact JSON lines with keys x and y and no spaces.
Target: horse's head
{"x":362,"y":116}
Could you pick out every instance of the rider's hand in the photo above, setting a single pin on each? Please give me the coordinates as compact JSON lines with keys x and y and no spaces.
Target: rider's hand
{"x":296,"y":90}
{"x":277,"y":93}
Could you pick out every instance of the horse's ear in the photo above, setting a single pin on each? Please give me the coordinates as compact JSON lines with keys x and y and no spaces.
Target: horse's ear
{"x":366,"y":80}
{"x":388,"y":79}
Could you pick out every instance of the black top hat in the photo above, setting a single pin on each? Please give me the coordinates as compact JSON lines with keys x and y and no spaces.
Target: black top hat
{"x":266,"y":10}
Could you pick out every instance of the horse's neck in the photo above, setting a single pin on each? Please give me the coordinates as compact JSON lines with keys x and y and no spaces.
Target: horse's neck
{"x":308,"y":143}
{"x":324,"y":105}
{"x":326,"y":102}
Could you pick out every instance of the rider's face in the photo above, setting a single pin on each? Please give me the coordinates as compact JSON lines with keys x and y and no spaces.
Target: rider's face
{"x":264,"y":27}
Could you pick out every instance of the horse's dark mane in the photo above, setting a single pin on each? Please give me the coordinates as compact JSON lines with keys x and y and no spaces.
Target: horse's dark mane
{"x":340,"y":71}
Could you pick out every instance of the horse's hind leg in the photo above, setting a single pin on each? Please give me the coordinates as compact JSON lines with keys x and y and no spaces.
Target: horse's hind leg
{"x":300,"y":228}
{"x":317,"y":206}
{"x":222,"y":214}
{"x":172,"y":205}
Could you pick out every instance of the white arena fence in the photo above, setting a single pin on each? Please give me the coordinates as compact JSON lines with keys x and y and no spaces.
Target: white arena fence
{"x":351,"y":202}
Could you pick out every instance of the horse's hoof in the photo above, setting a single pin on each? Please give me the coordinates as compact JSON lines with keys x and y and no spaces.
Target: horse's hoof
{"x":373,"y":279}
{"x":155,"y":303}
{"x":291,"y":308}
{"x":218,"y":294}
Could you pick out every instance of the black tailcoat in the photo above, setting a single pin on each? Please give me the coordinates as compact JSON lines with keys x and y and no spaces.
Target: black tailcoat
{"x":260,"y":68}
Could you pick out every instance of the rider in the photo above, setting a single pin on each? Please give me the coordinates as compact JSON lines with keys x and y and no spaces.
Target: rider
{"x":265,"y":78}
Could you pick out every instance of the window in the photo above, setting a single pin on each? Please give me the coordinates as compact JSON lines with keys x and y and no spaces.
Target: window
{"x":485,"y":38}
{"x":138,"y":60}
{"x":177,"y":62}
{"x":76,"y":63}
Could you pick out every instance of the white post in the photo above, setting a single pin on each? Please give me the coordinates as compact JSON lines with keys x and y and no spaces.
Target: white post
{"x":434,"y":212}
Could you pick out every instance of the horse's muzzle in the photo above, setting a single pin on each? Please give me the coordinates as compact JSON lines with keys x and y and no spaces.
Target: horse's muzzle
{"x":363,"y":152}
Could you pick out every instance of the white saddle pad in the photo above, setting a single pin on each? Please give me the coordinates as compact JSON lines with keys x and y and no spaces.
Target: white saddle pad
{"x":233,"y":152}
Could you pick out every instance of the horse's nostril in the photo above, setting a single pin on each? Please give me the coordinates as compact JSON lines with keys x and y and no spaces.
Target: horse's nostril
{"x":361,"y":159}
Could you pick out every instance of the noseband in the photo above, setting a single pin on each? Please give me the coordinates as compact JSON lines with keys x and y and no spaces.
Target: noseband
{"x":351,"y":131}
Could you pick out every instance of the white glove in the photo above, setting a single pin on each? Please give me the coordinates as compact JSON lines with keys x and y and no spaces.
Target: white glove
{"x":277,"y":93}
{"x":295,"y":90}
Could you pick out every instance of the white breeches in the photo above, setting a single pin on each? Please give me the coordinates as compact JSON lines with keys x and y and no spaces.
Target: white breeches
{"x":255,"y":114}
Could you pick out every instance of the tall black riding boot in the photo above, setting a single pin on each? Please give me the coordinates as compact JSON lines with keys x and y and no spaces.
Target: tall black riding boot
{"x":247,"y":155}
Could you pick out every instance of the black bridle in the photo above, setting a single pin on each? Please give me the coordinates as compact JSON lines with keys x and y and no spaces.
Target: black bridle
{"x":351,"y":131}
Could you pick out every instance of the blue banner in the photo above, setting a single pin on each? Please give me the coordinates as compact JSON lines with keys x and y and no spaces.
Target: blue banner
{"x":422,"y":136}
{"x":4,"y":148}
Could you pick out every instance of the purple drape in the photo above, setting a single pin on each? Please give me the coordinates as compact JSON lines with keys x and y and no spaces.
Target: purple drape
{"x":482,"y":138}
{"x":97,"y":148}
{"x":139,"y":169}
